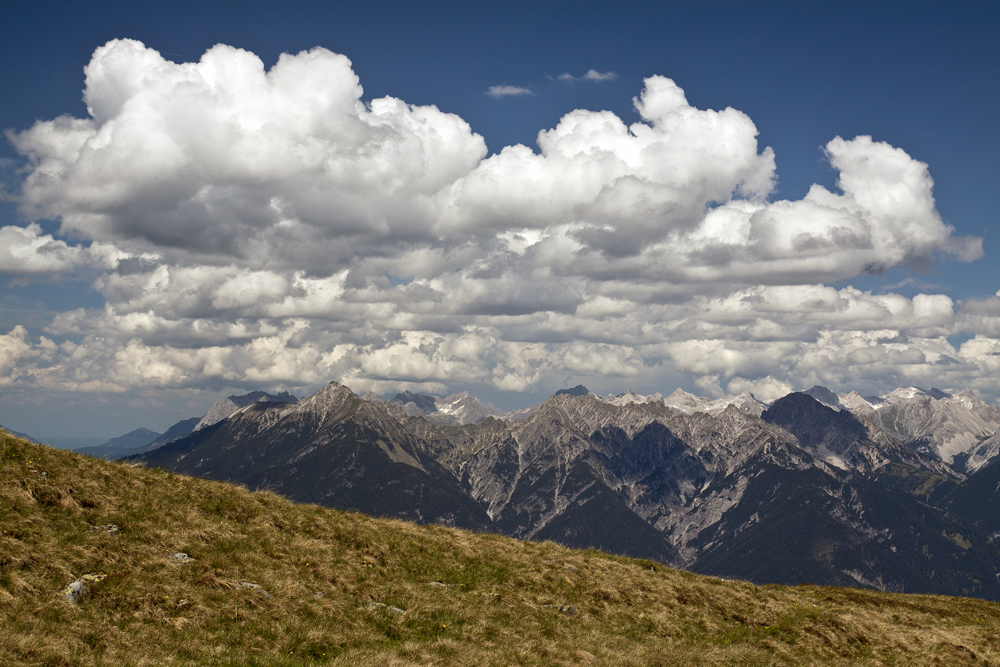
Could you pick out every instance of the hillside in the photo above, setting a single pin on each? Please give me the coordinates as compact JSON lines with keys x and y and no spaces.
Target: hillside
{"x":276,"y":583}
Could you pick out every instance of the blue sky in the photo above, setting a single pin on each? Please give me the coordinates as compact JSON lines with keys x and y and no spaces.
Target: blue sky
{"x":508,"y":292}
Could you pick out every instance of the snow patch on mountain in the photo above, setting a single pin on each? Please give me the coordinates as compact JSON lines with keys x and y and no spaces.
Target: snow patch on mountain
{"x":455,"y":409}
{"x":630,"y":398}
{"x":688,"y":403}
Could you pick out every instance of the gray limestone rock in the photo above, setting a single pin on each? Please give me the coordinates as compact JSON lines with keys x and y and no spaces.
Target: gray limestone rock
{"x":108,"y":528}
{"x":250,"y":586}
{"x":76,"y":592}
{"x":566,"y":609}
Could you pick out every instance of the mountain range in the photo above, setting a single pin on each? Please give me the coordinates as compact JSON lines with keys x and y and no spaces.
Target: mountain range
{"x":893,"y":492}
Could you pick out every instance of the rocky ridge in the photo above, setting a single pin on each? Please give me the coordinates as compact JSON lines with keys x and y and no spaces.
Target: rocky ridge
{"x":227,"y":406}
{"x":331,"y":448}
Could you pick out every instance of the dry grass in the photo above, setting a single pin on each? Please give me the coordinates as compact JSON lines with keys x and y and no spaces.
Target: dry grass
{"x":506,"y":602}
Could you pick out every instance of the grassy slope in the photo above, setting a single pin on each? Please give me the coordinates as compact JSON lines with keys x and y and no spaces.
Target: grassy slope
{"x":324,"y":568}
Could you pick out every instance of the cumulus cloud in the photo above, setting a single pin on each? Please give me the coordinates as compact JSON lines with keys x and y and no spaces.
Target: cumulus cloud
{"x":19,"y":357}
{"x":253,"y":226}
{"x":27,"y":251}
{"x":507,"y":91}
{"x":619,"y":188}
{"x":221,"y":157}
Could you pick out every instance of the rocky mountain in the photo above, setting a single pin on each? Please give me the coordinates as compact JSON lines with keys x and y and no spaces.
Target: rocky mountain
{"x":984,"y":453}
{"x":685,"y":402}
{"x":630,"y":397}
{"x":730,"y":494}
{"x":331,"y":448}
{"x":143,"y":440}
{"x":842,"y":439}
{"x":689,"y":403}
{"x":977,"y":501}
{"x":178,"y":430}
{"x":578,"y":390}
{"x":824,"y":396}
{"x":797,"y":521}
{"x":953,"y":429}
{"x":456,"y":409}
{"x":814,"y":487}
{"x":227,"y":406}
{"x":959,"y":429}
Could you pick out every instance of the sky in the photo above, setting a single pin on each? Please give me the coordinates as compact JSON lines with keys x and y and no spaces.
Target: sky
{"x":505,"y":198}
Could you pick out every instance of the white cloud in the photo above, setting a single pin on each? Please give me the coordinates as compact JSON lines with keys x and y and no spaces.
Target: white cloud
{"x":26,"y":251}
{"x":13,"y":349}
{"x":221,"y":157}
{"x":594,"y":75}
{"x":507,"y":91}
{"x":764,"y":389}
{"x":591,"y":75}
{"x":273,"y":227}
{"x":621,"y":187}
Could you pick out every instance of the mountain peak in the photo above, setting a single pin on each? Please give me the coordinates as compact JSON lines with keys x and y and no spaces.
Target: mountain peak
{"x":427,"y":404}
{"x":630,"y":397}
{"x":908,"y":393}
{"x":746,"y":402}
{"x":821,"y":430}
{"x":578,"y":390}
{"x":225,"y":407}
{"x":252,"y":397}
{"x":681,"y":394}
{"x":970,"y":399}
{"x":332,"y":397}
{"x":684,"y":401}
{"x":824,"y":396}
{"x":855,"y":402}
{"x":455,"y":409}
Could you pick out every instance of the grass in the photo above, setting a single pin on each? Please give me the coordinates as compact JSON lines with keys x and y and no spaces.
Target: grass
{"x":328,"y":580}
